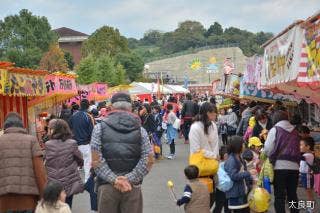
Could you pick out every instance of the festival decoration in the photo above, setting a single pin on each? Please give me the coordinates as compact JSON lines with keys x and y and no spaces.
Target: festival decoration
{"x":311,"y":55}
{"x":228,"y":66}
{"x":58,"y":87}
{"x":282,"y":57}
{"x":94,"y":91}
{"x":212,"y":67}
{"x":250,"y":91}
{"x":196,"y":64}
{"x":253,"y":70}
{"x":20,"y":83}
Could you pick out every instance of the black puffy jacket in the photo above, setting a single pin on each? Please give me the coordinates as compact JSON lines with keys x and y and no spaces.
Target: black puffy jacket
{"x":121,"y":141}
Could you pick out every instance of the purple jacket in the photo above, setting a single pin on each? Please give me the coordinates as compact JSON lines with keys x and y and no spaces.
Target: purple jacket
{"x":62,"y":161}
{"x":287,"y":146}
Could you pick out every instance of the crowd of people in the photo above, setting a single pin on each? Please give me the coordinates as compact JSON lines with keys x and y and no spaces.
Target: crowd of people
{"x":116,"y":144}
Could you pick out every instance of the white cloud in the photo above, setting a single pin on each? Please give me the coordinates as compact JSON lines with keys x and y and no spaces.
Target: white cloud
{"x":134,"y":17}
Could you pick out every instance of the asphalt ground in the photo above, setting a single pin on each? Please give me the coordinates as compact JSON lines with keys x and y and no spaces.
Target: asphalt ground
{"x":157,"y":198}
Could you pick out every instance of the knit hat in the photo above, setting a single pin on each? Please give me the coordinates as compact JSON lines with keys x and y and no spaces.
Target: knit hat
{"x":247,"y":155}
{"x":254,"y":141}
{"x":120,"y":96}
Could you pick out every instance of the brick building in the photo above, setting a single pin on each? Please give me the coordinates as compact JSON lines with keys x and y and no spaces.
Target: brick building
{"x":71,"y":41}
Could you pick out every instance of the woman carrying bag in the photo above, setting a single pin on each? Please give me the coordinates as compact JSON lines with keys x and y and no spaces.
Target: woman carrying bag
{"x":204,"y":144}
{"x":63,"y":159}
{"x":204,"y":132}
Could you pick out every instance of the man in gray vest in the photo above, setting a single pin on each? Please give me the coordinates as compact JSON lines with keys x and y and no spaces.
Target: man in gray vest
{"x":120,"y":153}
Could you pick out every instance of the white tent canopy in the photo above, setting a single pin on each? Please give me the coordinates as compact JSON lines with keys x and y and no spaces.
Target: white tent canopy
{"x":138,"y":89}
{"x":146,"y":88}
{"x":177,"y":89}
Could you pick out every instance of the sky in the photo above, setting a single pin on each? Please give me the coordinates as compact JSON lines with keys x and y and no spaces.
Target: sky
{"x":134,"y":17}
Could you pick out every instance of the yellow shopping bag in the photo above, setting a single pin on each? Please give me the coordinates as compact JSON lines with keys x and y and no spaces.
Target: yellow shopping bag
{"x":206,"y":166}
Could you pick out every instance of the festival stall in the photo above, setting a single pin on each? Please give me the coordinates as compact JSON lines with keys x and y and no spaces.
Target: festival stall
{"x":145,"y":91}
{"x":58,"y":87}
{"x":92,"y":92}
{"x":119,"y":88}
{"x":177,"y":89}
{"x":250,"y":87}
{"x":291,"y":61}
{"x":16,"y":86}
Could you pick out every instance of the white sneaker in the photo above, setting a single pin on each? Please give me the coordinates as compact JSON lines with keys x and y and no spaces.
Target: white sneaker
{"x":171,"y":157}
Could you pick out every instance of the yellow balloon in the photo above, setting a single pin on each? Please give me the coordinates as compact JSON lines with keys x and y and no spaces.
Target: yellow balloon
{"x":170,"y":184}
{"x":259,"y":199}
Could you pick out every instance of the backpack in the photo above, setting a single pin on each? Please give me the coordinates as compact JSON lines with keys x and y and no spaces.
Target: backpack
{"x":224,"y":181}
{"x":315,"y":167}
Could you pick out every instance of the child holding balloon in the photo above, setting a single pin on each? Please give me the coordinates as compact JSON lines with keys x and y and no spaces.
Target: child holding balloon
{"x":196,"y":196}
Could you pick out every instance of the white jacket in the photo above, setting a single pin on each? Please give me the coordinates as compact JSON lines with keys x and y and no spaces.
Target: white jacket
{"x":200,"y":141}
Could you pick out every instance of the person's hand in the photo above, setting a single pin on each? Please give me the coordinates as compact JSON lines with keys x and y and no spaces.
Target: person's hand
{"x":122,"y":184}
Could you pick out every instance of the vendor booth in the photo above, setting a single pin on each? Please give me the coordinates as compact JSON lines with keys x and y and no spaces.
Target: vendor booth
{"x":145,"y":91}
{"x":291,"y":61}
{"x":92,"y":92}
{"x":58,"y":87}
{"x":16,"y":85}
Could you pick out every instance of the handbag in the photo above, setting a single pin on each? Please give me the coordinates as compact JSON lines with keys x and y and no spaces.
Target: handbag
{"x":177,"y":123}
{"x":206,"y":166}
{"x":164,"y":125}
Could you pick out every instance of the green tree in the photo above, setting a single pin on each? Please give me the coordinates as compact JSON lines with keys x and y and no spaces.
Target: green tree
{"x":121,"y":75}
{"x":262,"y":37}
{"x":69,"y":58}
{"x":132,"y":63}
{"x":105,"y":40}
{"x":151,"y":37}
{"x":105,"y":70}
{"x":215,"y":29}
{"x":24,"y":38}
{"x":189,"y":34}
{"x":86,"y":70}
{"x":133,"y":43}
{"x":54,"y":60}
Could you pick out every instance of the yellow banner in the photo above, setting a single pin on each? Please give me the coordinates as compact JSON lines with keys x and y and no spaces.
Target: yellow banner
{"x":24,"y":85}
{"x":3,"y":74}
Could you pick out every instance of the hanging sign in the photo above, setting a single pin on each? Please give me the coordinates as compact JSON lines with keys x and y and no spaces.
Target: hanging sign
{"x":252,"y":92}
{"x":282,"y":58}
{"x":19,"y":84}
{"x":60,"y":84}
{"x":253,"y":70}
{"x":311,"y":56}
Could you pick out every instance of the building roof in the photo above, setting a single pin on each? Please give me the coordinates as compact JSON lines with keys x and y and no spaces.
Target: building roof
{"x":67,"y":32}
